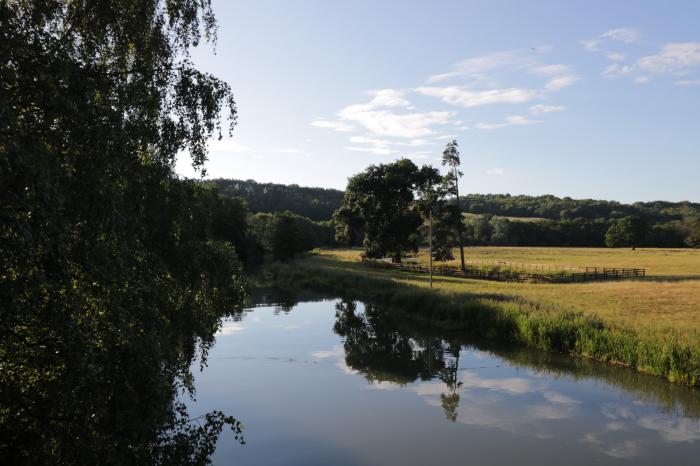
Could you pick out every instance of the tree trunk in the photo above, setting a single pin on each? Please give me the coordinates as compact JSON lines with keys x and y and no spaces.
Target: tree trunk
{"x":430,"y":245}
{"x":459,"y":230}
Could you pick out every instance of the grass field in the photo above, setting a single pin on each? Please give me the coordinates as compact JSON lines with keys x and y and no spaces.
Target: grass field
{"x":651,"y":325}
{"x":666,"y":304}
{"x":658,"y":262}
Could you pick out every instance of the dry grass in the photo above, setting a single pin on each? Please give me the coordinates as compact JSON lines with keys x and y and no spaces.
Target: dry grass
{"x":657,"y":262}
{"x":656,"y":307}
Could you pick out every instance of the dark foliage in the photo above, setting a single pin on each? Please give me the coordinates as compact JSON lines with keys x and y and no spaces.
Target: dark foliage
{"x":111,"y":269}
{"x":315,"y":203}
{"x":284,"y":234}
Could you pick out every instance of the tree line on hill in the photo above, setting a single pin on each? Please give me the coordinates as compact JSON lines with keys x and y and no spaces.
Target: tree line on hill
{"x":317,"y":204}
{"x":500,"y":219}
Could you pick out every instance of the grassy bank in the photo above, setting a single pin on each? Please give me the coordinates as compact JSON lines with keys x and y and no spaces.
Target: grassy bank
{"x":545,"y":317}
{"x":666,"y":304}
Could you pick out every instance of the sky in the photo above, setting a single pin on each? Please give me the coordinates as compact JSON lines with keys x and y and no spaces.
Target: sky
{"x":587,"y":99}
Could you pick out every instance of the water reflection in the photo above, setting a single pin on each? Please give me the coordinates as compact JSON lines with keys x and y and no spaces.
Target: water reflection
{"x":121,"y":401}
{"x":361,"y":386}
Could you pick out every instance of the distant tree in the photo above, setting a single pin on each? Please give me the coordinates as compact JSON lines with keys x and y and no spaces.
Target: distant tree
{"x":450,"y":158}
{"x":378,"y":201}
{"x":626,"y":232}
{"x":693,"y":238}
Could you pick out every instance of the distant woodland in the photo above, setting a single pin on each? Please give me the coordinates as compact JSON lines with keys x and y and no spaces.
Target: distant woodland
{"x":491,"y":219}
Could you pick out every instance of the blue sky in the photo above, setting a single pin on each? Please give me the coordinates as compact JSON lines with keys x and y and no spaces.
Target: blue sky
{"x":594,"y":99}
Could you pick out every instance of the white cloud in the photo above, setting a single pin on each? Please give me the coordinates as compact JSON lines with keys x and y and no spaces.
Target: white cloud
{"x":615,"y":70}
{"x":374,"y":150}
{"x":626,"y":35}
{"x":560,"y":82}
{"x":550,"y":70}
{"x":495,"y":172}
{"x":379,"y":117}
{"x":386,"y":123}
{"x":514,"y":120}
{"x":465,"y":97}
{"x":476,"y":67}
{"x":615,"y":56}
{"x":334,"y":125}
{"x":674,"y":58}
{"x":478,"y":71}
{"x":688,"y":82}
{"x":542,"y":108}
{"x":642,"y":79}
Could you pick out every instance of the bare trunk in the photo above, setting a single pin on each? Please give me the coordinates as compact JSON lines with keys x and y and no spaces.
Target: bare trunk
{"x":430,"y":245}
{"x":459,"y":231}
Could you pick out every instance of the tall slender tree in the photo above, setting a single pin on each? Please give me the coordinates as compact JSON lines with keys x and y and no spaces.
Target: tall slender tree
{"x":450,"y":158}
{"x":431,"y":191}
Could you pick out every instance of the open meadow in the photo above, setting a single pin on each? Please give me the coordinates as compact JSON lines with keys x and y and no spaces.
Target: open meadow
{"x":664,"y":304}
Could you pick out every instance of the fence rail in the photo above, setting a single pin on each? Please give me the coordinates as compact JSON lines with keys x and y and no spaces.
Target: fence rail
{"x":502,"y":274}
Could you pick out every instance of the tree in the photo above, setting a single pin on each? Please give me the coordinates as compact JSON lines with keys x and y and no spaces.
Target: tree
{"x":626,"y":232}
{"x":431,"y":190}
{"x":108,"y":278}
{"x":450,"y":158}
{"x":693,"y":238}
{"x":378,"y":201}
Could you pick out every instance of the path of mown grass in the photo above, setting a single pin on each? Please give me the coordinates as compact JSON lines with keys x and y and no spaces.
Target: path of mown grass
{"x":597,"y":320}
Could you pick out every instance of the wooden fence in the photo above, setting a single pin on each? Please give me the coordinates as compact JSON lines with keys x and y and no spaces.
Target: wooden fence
{"x":501,"y":274}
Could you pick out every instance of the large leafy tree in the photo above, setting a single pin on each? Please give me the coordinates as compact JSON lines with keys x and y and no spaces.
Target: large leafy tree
{"x":626,"y":232}
{"x":107,"y":276}
{"x":379,"y":202}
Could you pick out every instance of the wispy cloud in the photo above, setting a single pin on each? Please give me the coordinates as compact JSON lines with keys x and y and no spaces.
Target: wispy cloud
{"x":625,"y":35}
{"x":495,"y":172}
{"x":386,"y":115}
{"x":468,"y":98}
{"x":615,"y":70}
{"x":542,"y":108}
{"x":674,"y":58}
{"x":514,"y":120}
{"x":481,"y":78}
{"x":374,"y":150}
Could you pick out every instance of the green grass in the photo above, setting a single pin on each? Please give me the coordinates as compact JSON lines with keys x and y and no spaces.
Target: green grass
{"x":546,"y":317}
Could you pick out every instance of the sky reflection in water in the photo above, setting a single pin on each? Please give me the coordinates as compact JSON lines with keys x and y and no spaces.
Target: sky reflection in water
{"x":336,"y":382}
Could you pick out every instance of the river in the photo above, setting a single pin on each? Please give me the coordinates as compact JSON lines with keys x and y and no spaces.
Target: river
{"x":338,"y":382}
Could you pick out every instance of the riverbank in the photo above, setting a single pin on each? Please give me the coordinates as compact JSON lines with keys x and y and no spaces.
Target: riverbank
{"x":545,"y":319}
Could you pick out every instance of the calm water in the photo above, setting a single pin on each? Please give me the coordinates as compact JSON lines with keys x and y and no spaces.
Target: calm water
{"x":338,"y":383}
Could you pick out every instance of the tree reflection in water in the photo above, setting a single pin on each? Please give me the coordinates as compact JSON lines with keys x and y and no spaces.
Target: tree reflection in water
{"x":376,"y":348}
{"x":385,"y":345}
{"x":117,"y":402}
